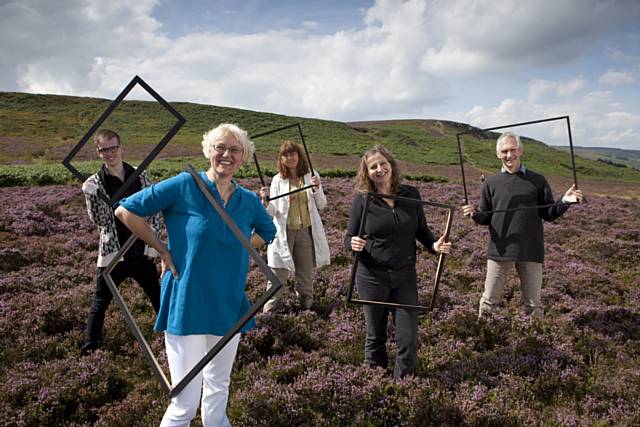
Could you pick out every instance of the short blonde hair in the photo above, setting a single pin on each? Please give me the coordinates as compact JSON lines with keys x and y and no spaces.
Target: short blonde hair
{"x":217,"y":134}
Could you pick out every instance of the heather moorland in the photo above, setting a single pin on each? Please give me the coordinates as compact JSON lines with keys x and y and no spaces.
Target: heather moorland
{"x":579,"y":366}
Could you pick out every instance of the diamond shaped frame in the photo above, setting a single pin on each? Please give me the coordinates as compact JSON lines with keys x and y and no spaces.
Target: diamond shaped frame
{"x":306,"y":151}
{"x":573,"y":160}
{"x":257,"y":306}
{"x":152,"y":155}
{"x":440,"y":268}
{"x":128,"y":317}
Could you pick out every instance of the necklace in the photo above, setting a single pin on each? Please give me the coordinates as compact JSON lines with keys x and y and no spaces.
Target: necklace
{"x":226,"y":193}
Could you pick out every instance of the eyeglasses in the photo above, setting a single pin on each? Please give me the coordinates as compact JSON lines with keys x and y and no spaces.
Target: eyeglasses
{"x":221,"y":148}
{"x":106,"y":150}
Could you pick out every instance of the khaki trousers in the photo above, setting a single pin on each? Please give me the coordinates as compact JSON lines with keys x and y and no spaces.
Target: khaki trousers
{"x":530,"y":274}
{"x":300,"y":245}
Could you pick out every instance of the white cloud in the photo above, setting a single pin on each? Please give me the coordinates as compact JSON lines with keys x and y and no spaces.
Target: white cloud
{"x":570,"y":87}
{"x":595,"y":120}
{"x":53,"y":46}
{"x":614,"y":78}
{"x":405,"y":58}
{"x":539,"y":88}
{"x":618,"y":120}
{"x":623,"y":56}
{"x":102,"y":45}
{"x":614,"y":137}
{"x":309,"y":24}
{"x":505,"y":35}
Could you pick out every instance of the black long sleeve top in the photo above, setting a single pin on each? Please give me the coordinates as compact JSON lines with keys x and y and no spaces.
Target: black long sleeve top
{"x":391,"y":233}
{"x":112,"y":184}
{"x":517,"y":235}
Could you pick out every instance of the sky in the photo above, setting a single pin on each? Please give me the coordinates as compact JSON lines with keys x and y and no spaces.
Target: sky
{"x":487,"y":63}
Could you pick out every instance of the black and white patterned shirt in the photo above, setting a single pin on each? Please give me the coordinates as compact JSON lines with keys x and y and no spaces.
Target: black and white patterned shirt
{"x":101,"y":214}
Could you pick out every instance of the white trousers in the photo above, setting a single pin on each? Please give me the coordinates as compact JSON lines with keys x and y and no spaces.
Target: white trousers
{"x":212,"y":383}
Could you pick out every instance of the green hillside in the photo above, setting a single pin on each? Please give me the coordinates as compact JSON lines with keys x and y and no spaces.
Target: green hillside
{"x":613,"y":156}
{"x":40,"y":130}
{"x":42,"y":124}
{"x":435,"y":142}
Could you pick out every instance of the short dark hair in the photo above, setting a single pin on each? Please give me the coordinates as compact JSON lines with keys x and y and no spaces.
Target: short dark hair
{"x":105,"y":134}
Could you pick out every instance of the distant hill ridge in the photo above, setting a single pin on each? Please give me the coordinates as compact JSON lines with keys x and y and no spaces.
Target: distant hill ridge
{"x":614,"y":156}
{"x":36,"y":129}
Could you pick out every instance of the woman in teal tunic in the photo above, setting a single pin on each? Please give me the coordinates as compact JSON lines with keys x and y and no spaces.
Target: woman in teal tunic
{"x":206,"y":267}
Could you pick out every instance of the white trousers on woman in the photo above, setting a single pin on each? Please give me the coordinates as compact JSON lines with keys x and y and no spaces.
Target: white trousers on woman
{"x":183,"y":352}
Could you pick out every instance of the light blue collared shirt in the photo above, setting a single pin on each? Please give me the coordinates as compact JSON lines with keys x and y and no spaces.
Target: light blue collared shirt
{"x":521,"y":170}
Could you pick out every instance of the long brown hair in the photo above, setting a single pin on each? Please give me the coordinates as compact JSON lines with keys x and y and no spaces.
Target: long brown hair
{"x":364,"y":183}
{"x":287,"y":147}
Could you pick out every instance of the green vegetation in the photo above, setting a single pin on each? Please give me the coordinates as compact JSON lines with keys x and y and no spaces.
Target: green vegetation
{"x":480,"y":151}
{"x":56,"y":173}
{"x":45,"y":127}
{"x":426,"y":141}
{"x":613,"y":156}
{"x":37,"y":131}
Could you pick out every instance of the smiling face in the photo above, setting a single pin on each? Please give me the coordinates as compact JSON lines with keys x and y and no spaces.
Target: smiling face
{"x":379,"y":171}
{"x":291,"y":161}
{"x":226,"y":156}
{"x":509,"y":153}
{"x":110,"y":151}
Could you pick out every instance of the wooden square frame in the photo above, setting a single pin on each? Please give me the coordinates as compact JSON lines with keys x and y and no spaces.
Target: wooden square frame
{"x":441,"y":258}
{"x":150,"y":157}
{"x":306,"y":151}
{"x":573,"y":160}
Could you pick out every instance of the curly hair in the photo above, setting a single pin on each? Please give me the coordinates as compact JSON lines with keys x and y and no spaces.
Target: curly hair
{"x":364,"y":183}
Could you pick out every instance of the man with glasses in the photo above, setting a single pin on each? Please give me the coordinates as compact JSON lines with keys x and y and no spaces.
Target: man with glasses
{"x":137,"y":262}
{"x":517,"y":235}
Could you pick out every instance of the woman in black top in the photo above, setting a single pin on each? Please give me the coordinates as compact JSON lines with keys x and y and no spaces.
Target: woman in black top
{"x":387,"y":267}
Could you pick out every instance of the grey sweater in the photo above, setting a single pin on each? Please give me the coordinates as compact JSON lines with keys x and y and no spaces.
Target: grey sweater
{"x":517,"y":235}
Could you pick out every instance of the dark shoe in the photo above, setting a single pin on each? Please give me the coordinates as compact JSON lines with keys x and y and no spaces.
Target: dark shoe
{"x":304,"y":302}
{"x":88,"y":347}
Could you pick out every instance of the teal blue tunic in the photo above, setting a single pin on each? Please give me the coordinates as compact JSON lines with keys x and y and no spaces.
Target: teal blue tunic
{"x":209,"y":296}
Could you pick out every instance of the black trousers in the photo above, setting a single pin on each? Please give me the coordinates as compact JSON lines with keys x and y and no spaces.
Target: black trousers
{"x":397,"y":286}
{"x":142,"y":270}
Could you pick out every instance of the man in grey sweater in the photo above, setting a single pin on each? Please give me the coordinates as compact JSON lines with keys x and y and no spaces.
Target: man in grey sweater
{"x":508,"y":206}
